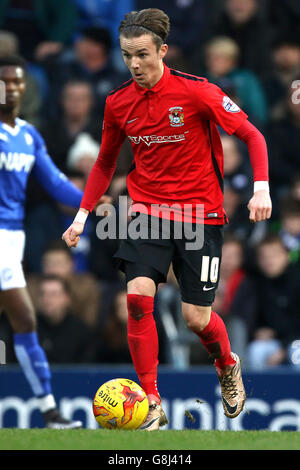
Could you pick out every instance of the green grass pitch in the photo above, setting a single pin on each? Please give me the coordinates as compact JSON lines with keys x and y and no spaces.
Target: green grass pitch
{"x":86,"y":439}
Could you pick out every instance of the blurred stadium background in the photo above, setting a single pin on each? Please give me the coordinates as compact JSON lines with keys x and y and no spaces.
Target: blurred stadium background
{"x":251,"y":49}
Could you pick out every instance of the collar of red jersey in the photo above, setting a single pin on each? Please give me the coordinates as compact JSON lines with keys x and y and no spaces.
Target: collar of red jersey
{"x":159,"y":85}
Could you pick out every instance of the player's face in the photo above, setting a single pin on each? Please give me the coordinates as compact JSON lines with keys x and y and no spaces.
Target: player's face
{"x":143,"y":59}
{"x":14,"y":82}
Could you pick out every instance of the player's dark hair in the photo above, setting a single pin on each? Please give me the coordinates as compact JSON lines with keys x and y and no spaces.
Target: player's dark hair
{"x":148,"y":21}
{"x":13,"y":60}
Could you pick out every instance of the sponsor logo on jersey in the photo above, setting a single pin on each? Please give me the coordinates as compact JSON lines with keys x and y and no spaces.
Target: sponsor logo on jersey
{"x":14,"y":161}
{"x":230,"y":106}
{"x":157,"y":139}
{"x":176,"y":116}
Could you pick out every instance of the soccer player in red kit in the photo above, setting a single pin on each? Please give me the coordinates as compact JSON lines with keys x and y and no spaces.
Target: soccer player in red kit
{"x":171,"y":121}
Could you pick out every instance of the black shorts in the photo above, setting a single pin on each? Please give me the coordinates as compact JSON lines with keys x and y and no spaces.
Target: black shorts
{"x":195,"y":265}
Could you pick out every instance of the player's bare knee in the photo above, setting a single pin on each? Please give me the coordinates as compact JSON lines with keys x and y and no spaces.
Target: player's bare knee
{"x":196,"y":316}
{"x":141,"y":286}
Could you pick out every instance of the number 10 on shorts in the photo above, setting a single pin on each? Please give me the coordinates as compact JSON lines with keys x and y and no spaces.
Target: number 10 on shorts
{"x":210,"y":269}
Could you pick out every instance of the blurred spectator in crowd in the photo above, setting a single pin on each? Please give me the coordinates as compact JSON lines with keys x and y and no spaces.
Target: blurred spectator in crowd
{"x":188,"y":19}
{"x":278,"y":297}
{"x":84,"y":287}
{"x":283,"y":16}
{"x":232,"y":270}
{"x":293,"y":196}
{"x":236,"y":210}
{"x":83,"y":154}
{"x":284,"y":145}
{"x":290,"y":226}
{"x":42,"y":27}
{"x":241,"y":21}
{"x":234,"y":207}
{"x":64,"y":337}
{"x":237,"y":168}
{"x":31,"y":102}
{"x":294,"y":192}
{"x":46,"y":220}
{"x":9,"y":44}
{"x":83,"y":253}
{"x":286,"y":66}
{"x":76,"y":115}
{"x":221,"y":60}
{"x":232,"y":275}
{"x":89,"y":59}
{"x":179,"y":347}
{"x":238,"y":187}
{"x":103,"y":265}
{"x":106,"y":14}
{"x":113,"y":344}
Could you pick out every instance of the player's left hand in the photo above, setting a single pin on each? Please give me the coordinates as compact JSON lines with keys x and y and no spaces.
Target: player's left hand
{"x":260,"y":206}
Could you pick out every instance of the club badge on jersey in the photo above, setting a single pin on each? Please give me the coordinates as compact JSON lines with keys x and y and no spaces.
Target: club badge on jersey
{"x":176,"y":116}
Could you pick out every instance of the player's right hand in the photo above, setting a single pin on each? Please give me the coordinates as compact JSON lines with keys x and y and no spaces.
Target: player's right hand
{"x":71,"y":235}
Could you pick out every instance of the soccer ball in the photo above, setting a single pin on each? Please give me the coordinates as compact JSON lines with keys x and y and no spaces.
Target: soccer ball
{"x":120,"y":404}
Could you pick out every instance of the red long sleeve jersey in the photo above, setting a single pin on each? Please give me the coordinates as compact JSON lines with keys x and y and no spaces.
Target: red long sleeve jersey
{"x":177,"y":150}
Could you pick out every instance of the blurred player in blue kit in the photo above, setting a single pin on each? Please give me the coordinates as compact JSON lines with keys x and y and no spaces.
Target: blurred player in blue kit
{"x":22,"y":151}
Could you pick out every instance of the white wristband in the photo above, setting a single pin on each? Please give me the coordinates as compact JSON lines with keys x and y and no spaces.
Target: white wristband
{"x":81,"y":217}
{"x":261,"y":185}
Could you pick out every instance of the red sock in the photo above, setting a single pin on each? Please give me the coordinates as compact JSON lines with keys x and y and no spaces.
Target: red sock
{"x":143,"y":341}
{"x":215,"y":339}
